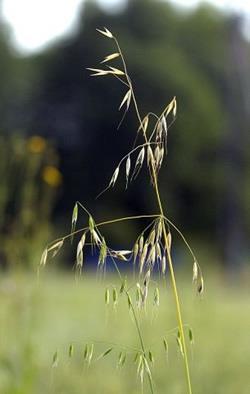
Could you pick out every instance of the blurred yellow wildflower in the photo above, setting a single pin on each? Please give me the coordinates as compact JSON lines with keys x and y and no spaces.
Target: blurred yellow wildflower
{"x":52,"y":176}
{"x":36,"y":144}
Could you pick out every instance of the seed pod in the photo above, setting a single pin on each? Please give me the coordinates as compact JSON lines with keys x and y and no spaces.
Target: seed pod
{"x":158,"y":252}
{"x":169,"y":242}
{"x":150,"y":356}
{"x":121,"y":359}
{"x":115,"y":296}
{"x":56,"y":247}
{"x":121,"y":254}
{"x":163,"y":265}
{"x":135,"y":251}
{"x":143,"y":257}
{"x":126,"y":99}
{"x":74,"y":219}
{"x":174,"y":107}
{"x":91,"y":352}
{"x":44,"y":257}
{"x":86,"y":352}
{"x":200,"y":286}
{"x":159,"y":231}
{"x":123,"y":286}
{"x":129,"y":301}
{"x":107,"y":296}
{"x":161,"y":156}
{"x":103,"y":253}
{"x":79,"y":253}
{"x":190,"y":335}
{"x":145,"y":287}
{"x":151,"y":256}
{"x":104,"y":354}
{"x":71,"y":350}
{"x":144,"y":124}
{"x":150,"y":157}
{"x":114,"y":177}
{"x":138,"y":295}
{"x":96,"y":238}
{"x":55,"y":360}
{"x":128,"y":167}
{"x":151,"y":238}
{"x":139,"y":162}
{"x":165,"y":344}
{"x":159,"y":132}
{"x":195,"y":271}
{"x":105,"y":32}
{"x":157,"y":156}
{"x":140,"y":367}
{"x":141,"y":244}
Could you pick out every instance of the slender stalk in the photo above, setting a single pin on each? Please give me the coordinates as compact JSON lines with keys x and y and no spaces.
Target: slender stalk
{"x":106,"y":222}
{"x":137,"y":328}
{"x":170,"y":262}
{"x":174,"y":286}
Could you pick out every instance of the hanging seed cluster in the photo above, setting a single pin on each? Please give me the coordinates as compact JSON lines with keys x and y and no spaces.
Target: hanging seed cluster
{"x":149,"y":250}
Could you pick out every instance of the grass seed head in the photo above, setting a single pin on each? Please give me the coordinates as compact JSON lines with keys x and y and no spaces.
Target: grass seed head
{"x":114,"y":177}
{"x":106,"y":32}
{"x":111,"y":57}
{"x":128,"y":167}
{"x":44,"y":257}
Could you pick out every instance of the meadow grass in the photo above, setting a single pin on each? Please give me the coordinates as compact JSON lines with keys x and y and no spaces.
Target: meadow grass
{"x":40,"y":318}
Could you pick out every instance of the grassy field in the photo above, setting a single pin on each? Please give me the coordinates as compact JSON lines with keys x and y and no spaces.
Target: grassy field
{"x":38,"y":318}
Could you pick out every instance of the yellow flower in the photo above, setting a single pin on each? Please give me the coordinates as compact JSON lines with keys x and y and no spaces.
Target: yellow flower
{"x":36,"y":144}
{"x":52,"y":176}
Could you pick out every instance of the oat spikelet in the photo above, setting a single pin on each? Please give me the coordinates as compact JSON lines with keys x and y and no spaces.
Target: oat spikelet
{"x":97,"y":72}
{"x":126,"y":100}
{"x":145,"y":287}
{"x":121,"y":254}
{"x":158,"y":252}
{"x":144,"y":125}
{"x":163,"y":265}
{"x":79,"y":252}
{"x":151,"y":238}
{"x":56,"y":247}
{"x":128,"y":167}
{"x":169,"y":241}
{"x":195,"y":271}
{"x":200,"y":286}
{"x":174,"y":107}
{"x":115,"y":71}
{"x":106,"y":32}
{"x":141,"y":244}
{"x":151,"y":256}
{"x":143,"y":257}
{"x":110,"y":57}
{"x":103,"y":253}
{"x":139,"y":162}
{"x":150,"y":157}
{"x":135,"y":252}
{"x":114,"y":177}
{"x":44,"y":257}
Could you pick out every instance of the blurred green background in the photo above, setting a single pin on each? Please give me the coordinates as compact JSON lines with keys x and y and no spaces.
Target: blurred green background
{"x":59,"y":144}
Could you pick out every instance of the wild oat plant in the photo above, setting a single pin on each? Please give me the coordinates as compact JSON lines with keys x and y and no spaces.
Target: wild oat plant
{"x":153,"y":246}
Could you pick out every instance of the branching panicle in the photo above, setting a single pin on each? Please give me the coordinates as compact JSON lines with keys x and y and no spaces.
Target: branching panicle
{"x":153,"y":244}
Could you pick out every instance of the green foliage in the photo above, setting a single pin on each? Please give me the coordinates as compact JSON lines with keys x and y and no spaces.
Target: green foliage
{"x":29,"y":181}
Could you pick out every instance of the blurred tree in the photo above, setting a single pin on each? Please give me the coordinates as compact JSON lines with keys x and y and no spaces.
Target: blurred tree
{"x":169,"y":52}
